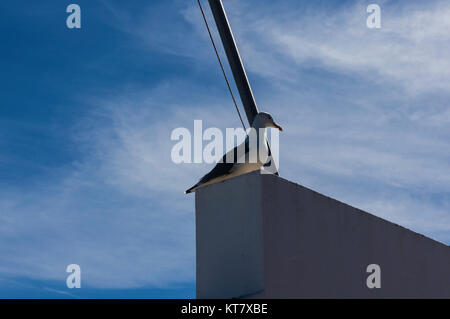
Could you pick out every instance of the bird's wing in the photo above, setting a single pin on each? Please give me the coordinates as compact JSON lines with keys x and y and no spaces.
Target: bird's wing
{"x":224,"y":167}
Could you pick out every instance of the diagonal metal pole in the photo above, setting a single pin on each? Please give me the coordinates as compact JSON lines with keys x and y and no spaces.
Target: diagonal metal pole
{"x":234,"y":58}
{"x":236,"y":65}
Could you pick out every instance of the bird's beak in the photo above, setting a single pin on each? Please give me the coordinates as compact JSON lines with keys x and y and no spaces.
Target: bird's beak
{"x":278,"y":127}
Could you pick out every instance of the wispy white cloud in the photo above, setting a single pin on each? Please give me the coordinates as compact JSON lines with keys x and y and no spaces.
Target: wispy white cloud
{"x":61,"y":292}
{"x":120,"y":212}
{"x":409,"y":51}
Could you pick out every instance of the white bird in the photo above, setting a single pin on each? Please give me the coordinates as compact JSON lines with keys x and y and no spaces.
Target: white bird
{"x":239,"y":166}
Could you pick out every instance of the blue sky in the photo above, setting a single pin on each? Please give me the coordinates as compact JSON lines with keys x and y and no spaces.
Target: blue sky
{"x":86,"y":116}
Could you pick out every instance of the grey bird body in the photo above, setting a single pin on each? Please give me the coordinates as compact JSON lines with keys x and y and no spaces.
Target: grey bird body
{"x":236,"y":162}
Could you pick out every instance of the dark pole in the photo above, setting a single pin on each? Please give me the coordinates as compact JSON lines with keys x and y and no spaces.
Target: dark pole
{"x":237,"y":67}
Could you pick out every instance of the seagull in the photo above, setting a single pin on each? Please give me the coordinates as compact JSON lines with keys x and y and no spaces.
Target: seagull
{"x":225,"y":170}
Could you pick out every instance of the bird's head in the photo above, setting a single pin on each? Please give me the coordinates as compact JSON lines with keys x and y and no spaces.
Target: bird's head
{"x":263,"y":119}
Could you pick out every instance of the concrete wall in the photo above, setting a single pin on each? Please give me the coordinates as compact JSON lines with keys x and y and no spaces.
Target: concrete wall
{"x":260,"y":236}
{"x":229,"y":239}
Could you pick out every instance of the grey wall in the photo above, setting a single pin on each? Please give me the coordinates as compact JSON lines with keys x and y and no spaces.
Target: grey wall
{"x":261,"y":236}
{"x":229,"y":239}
